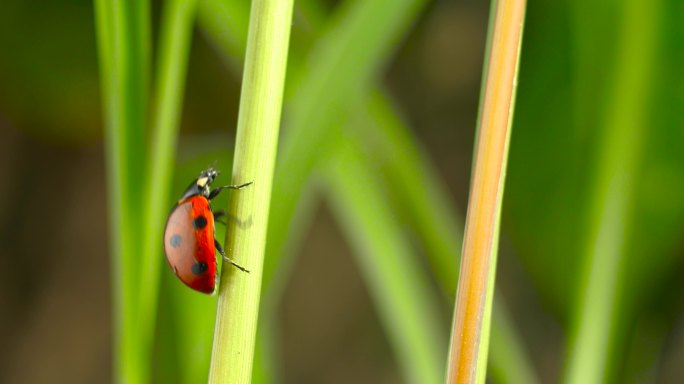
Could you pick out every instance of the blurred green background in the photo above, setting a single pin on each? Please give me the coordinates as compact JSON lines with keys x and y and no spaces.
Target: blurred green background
{"x":573,"y":102}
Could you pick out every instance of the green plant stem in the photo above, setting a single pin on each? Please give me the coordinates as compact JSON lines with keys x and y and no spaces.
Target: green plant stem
{"x":255,"y":154}
{"x":612,"y":199}
{"x":399,"y":287}
{"x":173,"y":58}
{"x":123,"y":38}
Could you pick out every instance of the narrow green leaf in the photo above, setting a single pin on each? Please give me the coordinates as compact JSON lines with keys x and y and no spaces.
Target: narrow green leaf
{"x":349,"y":54}
{"x":508,"y":361}
{"x":611,"y":209}
{"x":421,"y":192}
{"x":399,"y":287}
{"x":226,"y":22}
{"x":173,"y":58}
{"x":123,"y":34}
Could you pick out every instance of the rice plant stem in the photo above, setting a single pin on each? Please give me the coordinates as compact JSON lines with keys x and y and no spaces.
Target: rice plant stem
{"x":255,"y":154}
{"x":472,"y":317}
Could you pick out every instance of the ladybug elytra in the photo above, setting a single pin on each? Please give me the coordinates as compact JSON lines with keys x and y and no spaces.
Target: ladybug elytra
{"x":189,"y":241}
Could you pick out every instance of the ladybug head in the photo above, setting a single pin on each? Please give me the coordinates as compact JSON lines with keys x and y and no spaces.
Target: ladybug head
{"x":205,"y":179}
{"x":201,"y":185}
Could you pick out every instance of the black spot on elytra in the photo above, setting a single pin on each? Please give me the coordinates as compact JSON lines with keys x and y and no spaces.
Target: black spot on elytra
{"x":199,"y":268}
{"x":199,"y":222}
{"x":176,"y":241}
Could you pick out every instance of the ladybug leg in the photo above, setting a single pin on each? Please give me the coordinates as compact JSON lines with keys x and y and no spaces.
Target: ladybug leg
{"x":221,"y":216}
{"x":220,"y":250}
{"x":218,"y":190}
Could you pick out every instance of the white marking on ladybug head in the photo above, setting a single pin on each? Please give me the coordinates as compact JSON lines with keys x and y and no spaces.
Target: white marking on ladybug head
{"x":202,"y":181}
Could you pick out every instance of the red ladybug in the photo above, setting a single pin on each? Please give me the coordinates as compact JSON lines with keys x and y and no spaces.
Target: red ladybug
{"x":189,"y":241}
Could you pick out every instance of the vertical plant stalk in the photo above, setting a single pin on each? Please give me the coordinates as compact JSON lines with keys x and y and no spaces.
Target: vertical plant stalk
{"x":255,"y":154}
{"x":123,"y":40}
{"x":173,"y":58}
{"x":612,"y":199}
{"x":472,"y":317}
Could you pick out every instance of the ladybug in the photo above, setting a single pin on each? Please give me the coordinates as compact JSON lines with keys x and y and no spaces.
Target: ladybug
{"x":189,"y":241}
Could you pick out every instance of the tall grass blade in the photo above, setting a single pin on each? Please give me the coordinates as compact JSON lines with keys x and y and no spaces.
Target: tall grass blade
{"x":395,"y":280}
{"x":508,"y":360}
{"x":351,"y":51}
{"x":226,"y":22}
{"x":123,"y":39}
{"x":417,"y":185}
{"x":172,"y":62}
{"x":611,"y":207}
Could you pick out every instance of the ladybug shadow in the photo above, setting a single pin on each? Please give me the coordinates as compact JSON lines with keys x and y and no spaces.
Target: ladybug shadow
{"x":224,"y":218}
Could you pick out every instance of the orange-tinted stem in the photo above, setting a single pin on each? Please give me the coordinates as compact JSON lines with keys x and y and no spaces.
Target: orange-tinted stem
{"x":468,"y":351}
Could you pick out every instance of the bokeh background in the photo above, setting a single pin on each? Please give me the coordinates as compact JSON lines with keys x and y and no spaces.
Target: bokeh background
{"x":55,"y":287}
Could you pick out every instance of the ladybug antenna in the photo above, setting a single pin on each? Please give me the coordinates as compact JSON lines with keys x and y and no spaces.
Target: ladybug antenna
{"x":210,"y":167}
